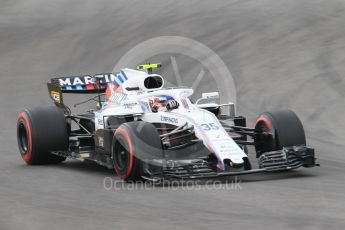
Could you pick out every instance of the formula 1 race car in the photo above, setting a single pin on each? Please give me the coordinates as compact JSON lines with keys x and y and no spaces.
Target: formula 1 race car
{"x":144,"y":130}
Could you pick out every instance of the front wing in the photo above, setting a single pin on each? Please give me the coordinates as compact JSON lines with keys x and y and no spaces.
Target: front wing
{"x":286,"y":159}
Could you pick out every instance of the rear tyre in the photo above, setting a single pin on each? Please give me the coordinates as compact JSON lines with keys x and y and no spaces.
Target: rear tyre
{"x":286,"y":130}
{"x":133,"y":144}
{"x":40,"y":131}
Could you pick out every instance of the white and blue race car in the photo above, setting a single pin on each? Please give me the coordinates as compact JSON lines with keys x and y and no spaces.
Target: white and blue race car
{"x":144,"y":130}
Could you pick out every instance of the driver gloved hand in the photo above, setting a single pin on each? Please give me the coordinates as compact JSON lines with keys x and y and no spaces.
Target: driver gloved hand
{"x":172,"y":105}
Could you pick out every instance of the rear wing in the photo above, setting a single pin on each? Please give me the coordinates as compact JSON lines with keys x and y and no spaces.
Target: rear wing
{"x":83,"y":84}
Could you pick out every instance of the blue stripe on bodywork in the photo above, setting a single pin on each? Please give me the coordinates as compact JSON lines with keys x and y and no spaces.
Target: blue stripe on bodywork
{"x":120,"y":78}
{"x":118,"y":82}
{"x":123,"y":75}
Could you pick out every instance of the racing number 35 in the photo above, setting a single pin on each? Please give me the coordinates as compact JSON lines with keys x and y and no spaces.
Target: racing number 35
{"x":209,"y":126}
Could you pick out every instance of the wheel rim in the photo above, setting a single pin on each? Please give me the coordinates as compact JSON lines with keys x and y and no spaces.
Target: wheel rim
{"x":264,"y":144}
{"x":122,"y":154}
{"x":23,"y":138}
{"x":121,"y":157}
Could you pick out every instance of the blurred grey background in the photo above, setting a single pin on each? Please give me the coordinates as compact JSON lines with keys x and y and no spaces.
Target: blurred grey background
{"x":281,"y":54}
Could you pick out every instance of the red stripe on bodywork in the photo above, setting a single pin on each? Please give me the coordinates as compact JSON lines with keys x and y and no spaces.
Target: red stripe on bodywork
{"x":212,"y":151}
{"x":110,"y":88}
{"x":90,"y":87}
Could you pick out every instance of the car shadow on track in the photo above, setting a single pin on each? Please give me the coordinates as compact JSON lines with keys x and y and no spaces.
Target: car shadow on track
{"x":283,"y":175}
{"x":95,"y":169}
{"x":87,"y":167}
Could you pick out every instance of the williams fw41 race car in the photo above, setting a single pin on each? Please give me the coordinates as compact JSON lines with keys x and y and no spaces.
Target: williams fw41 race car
{"x":144,"y":130}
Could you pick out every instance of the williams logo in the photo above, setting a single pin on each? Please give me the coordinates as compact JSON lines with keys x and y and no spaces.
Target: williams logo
{"x":56,"y":96}
{"x":169,"y":119}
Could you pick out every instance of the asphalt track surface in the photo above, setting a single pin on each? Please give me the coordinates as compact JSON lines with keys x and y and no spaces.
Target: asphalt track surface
{"x":287,"y":54}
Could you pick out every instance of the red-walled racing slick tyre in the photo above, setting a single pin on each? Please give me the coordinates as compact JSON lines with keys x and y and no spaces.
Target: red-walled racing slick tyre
{"x":134,"y":142}
{"x":40,"y":131}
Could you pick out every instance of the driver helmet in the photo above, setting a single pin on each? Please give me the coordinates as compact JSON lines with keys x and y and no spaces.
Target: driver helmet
{"x":159,"y":103}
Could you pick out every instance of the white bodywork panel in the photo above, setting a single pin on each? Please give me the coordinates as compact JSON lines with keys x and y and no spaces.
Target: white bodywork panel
{"x":206,"y":125}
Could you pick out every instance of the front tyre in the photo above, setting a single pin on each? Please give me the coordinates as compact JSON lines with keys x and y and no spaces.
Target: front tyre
{"x":134,"y":143}
{"x":40,"y":131}
{"x":285,"y":128}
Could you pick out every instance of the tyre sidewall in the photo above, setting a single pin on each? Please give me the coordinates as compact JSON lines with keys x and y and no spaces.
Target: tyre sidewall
{"x":143,"y":143}
{"x":48,"y":129}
